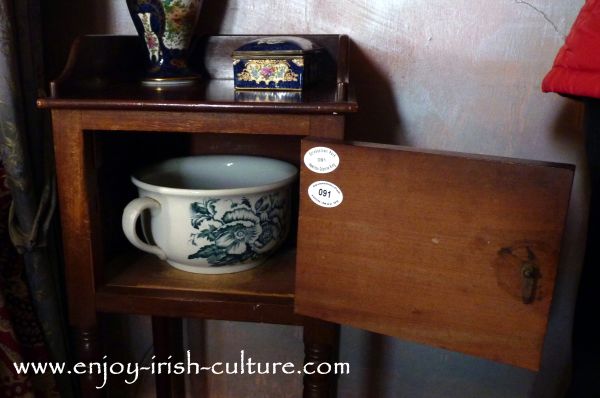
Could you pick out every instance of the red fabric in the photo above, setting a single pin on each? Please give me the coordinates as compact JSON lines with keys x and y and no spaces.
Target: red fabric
{"x":576,"y":69}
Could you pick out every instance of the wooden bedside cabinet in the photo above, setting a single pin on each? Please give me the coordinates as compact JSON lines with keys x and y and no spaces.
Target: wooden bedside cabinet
{"x":456,"y":251}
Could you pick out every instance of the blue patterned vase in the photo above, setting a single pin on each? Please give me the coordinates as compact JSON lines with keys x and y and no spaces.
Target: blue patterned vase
{"x":167,"y":27}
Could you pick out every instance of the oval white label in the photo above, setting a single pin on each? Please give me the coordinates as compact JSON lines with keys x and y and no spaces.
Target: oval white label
{"x":325,"y":194}
{"x":321,"y":159}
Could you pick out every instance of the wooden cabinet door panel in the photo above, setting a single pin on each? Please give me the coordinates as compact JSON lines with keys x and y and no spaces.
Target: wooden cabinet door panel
{"x":450,"y":250}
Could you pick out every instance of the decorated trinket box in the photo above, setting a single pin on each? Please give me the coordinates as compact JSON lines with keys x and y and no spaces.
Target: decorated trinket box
{"x":275,"y":63}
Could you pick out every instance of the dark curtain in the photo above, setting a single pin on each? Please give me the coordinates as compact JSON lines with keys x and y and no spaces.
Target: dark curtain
{"x":32,"y":317}
{"x":21,"y":337}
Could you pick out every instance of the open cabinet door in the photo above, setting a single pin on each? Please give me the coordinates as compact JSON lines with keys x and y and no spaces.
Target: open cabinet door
{"x":445,"y":249}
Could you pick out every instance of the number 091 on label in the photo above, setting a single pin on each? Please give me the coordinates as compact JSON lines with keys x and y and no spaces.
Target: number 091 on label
{"x":325,"y":194}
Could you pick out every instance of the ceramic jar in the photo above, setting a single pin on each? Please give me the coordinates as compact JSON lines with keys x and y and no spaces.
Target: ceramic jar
{"x":167,"y":27}
{"x":212,"y":214}
{"x":276,"y":63}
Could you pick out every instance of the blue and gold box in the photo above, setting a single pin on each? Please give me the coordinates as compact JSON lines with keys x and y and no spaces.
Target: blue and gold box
{"x":274,"y":63}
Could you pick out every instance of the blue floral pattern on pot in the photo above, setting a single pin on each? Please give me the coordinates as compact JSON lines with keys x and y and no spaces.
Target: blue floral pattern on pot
{"x":231,"y":232}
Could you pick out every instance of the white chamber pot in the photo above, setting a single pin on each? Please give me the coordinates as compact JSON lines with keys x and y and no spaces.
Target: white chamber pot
{"x":212,"y":214}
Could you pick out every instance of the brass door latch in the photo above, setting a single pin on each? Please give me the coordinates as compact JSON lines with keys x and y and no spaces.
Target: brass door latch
{"x":530,"y":274}
{"x":519,"y":271}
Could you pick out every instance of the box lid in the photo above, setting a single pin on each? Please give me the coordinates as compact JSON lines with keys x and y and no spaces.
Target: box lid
{"x":275,"y":45}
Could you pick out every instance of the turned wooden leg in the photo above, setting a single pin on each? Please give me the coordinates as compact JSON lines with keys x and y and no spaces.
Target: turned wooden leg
{"x":321,"y":340}
{"x":87,"y":348}
{"x":82,"y":246}
{"x":167,"y":334}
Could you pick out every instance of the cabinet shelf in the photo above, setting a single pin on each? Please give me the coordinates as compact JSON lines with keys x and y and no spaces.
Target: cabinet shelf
{"x":137,"y":282}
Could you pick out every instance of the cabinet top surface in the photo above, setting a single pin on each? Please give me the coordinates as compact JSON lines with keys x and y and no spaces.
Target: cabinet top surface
{"x":103,"y":72}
